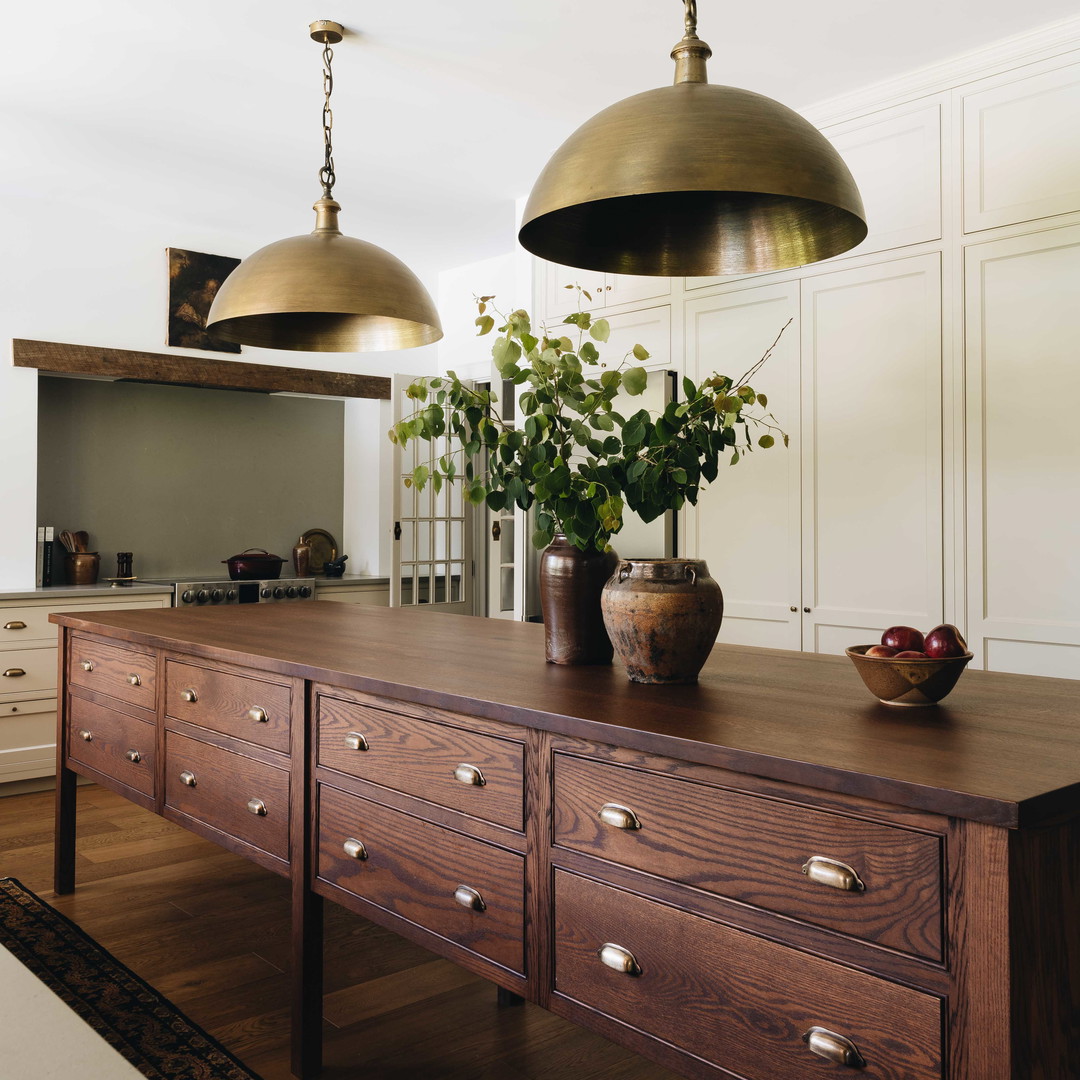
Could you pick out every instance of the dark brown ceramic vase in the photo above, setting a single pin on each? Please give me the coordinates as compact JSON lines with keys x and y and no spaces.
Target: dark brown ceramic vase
{"x":662,"y":616}
{"x":571,"y":581}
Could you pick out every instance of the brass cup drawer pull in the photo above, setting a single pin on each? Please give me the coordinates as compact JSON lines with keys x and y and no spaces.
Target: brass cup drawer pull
{"x":133,"y":756}
{"x":469,"y":898}
{"x":355,"y":741}
{"x":86,"y":665}
{"x":188,"y":778}
{"x":134,"y":679}
{"x":619,"y":817}
{"x":836,"y":875}
{"x":14,"y":673}
{"x":833,"y":1047}
{"x":257,"y":807}
{"x":619,"y":959}
{"x":15,"y":624}
{"x":86,"y":736}
{"x":189,"y":695}
{"x":258,"y":715}
{"x":355,"y":849}
{"x":469,"y":774}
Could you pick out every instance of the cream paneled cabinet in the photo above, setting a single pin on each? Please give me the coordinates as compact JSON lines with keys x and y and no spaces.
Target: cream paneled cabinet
{"x":845,"y":527}
{"x":1023,"y":452}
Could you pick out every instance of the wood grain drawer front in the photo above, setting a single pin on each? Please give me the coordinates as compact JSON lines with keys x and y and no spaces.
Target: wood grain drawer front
{"x":117,"y":670}
{"x":253,"y":709}
{"x":426,"y":874}
{"x":731,"y":998}
{"x":27,"y":673}
{"x":754,"y":850}
{"x":113,"y":743}
{"x":463,"y":770}
{"x":242,"y":797}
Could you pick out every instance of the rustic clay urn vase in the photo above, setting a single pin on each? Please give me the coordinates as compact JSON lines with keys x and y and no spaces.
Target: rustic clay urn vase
{"x":662,"y":616}
{"x":571,"y":581}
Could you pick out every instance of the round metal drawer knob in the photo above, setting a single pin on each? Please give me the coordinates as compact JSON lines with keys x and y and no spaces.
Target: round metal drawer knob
{"x":257,"y":807}
{"x":86,"y":736}
{"x":188,"y":778}
{"x":86,"y":665}
{"x":189,"y":696}
{"x":619,"y":959}
{"x":469,"y":898}
{"x":134,"y":679}
{"x":133,"y":756}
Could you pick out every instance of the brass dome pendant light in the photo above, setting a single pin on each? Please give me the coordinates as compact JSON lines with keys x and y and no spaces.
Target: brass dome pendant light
{"x":324,"y":292}
{"x":693,"y":179}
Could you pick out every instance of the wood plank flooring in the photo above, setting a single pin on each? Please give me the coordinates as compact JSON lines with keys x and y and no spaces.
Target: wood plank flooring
{"x":210,"y":931}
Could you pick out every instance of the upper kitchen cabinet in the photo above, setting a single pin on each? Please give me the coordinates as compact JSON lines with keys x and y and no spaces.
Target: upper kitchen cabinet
{"x":895,"y":159}
{"x":1010,"y":125}
{"x":872,"y":452}
{"x":559,"y":298}
{"x":1023,"y":473}
{"x":746,"y":525}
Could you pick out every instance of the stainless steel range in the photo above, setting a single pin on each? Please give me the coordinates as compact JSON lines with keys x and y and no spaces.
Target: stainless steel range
{"x":270,"y":590}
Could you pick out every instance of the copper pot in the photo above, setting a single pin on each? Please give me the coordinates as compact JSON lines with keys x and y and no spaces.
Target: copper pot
{"x":81,"y":567}
{"x":253,"y":565}
{"x":663,"y":616}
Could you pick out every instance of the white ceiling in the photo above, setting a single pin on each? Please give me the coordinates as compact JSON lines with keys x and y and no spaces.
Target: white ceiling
{"x":208,"y":111}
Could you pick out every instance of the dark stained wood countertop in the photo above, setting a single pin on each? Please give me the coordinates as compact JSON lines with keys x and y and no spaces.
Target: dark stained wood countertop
{"x":1002,"y":749}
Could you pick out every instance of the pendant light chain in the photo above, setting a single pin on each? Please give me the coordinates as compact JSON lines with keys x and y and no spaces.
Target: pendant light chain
{"x":690,"y":21}
{"x":326,"y":173}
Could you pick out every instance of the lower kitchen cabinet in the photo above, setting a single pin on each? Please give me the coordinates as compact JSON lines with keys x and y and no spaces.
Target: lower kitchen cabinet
{"x":28,"y":666}
{"x":374,"y":591}
{"x":764,"y":875}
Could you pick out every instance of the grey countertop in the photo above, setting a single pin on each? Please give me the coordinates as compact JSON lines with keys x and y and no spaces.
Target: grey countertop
{"x":82,"y":592}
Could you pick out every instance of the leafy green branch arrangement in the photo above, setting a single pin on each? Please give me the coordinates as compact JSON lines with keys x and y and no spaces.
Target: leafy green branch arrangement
{"x":578,"y":459}
{"x":564,"y":457}
{"x":666,"y":459}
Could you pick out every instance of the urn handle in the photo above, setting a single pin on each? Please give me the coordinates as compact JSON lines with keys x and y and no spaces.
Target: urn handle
{"x":691,"y":573}
{"x":625,"y":570}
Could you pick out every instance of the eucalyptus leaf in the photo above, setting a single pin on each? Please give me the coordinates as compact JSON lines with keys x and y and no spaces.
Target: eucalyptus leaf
{"x":635,"y":379}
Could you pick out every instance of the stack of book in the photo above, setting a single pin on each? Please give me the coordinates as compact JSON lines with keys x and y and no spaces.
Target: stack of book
{"x":46,"y":534}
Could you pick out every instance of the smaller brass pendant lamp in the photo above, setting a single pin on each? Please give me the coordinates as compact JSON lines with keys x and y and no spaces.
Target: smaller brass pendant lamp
{"x":324,"y":292}
{"x":693,"y":179}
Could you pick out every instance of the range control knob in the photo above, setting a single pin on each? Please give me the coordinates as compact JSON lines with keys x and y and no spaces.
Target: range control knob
{"x":188,"y":596}
{"x":202,"y":596}
{"x":230,"y":596}
{"x":290,"y":592}
{"x":279,"y":593}
{"x":217,"y":596}
{"x":266,"y":593}
{"x":305,"y":591}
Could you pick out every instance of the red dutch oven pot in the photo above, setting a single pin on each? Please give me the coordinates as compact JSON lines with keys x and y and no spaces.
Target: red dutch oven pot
{"x":254,"y":564}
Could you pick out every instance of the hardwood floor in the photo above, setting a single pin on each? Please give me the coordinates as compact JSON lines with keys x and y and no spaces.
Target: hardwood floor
{"x":210,"y":931}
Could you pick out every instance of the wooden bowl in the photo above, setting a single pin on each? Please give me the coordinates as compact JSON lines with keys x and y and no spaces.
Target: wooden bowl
{"x":909,"y":682}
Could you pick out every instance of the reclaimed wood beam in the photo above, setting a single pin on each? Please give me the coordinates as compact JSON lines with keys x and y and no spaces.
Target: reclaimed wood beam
{"x":180,"y":370}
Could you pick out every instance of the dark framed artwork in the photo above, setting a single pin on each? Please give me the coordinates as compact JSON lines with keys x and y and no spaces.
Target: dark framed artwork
{"x":194,"y":279}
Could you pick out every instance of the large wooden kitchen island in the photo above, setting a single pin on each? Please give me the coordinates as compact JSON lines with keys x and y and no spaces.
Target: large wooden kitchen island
{"x":767,"y":875}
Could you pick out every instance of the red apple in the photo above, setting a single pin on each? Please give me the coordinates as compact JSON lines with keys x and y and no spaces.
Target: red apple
{"x":910,"y":654}
{"x":945,"y":641}
{"x":902,"y":637}
{"x":879,"y":650}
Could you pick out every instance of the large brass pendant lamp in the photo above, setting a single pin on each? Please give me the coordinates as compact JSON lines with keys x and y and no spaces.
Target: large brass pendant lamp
{"x":693,"y":179}
{"x":324,"y":292}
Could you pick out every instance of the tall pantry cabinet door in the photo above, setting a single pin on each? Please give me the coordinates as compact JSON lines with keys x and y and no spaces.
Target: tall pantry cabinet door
{"x":872,"y":452}
{"x":746,"y":525}
{"x":1023,"y":450}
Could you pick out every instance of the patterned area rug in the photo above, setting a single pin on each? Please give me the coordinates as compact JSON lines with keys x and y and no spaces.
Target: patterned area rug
{"x":130,"y":1015}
